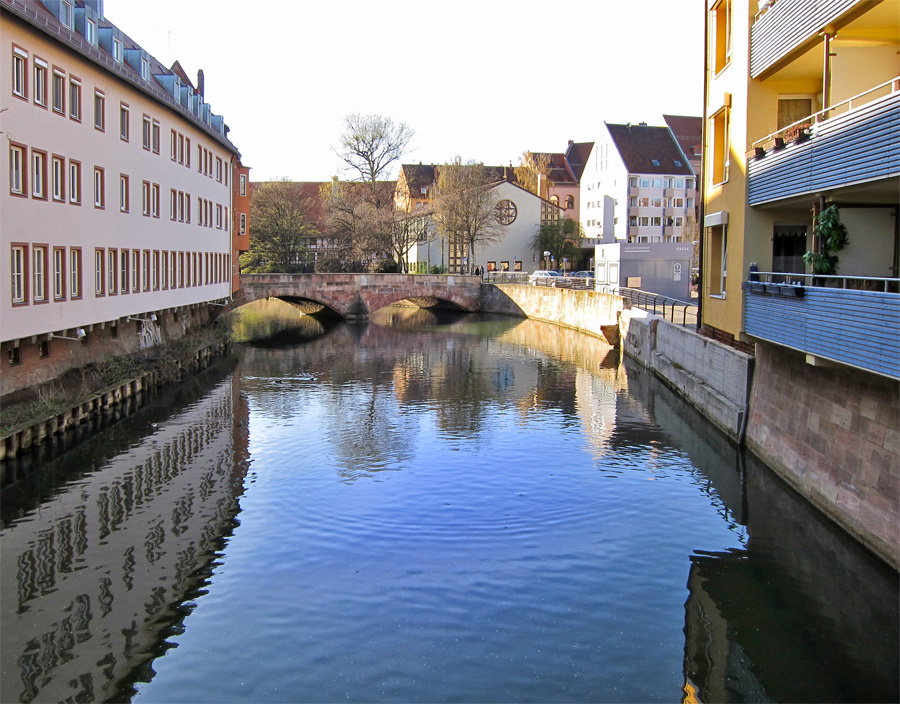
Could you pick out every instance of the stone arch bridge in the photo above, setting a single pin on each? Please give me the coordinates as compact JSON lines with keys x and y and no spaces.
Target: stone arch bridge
{"x":354,"y":296}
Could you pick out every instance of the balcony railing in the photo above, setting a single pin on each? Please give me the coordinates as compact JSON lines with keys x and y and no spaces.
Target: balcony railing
{"x":855,"y":141}
{"x":854,"y":321}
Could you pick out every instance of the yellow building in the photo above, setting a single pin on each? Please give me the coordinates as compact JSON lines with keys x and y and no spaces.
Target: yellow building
{"x":802,"y":112}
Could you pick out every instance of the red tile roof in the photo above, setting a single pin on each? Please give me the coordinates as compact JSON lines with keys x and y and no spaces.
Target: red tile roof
{"x":648,"y":150}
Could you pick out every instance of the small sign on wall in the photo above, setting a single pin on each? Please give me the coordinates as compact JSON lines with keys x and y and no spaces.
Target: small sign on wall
{"x":676,"y":271}
{"x":633,"y":282}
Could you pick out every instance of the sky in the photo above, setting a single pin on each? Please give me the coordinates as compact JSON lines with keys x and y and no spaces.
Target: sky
{"x":483,"y":80}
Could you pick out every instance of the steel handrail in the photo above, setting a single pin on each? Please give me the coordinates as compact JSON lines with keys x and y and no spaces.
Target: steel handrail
{"x":810,"y":279}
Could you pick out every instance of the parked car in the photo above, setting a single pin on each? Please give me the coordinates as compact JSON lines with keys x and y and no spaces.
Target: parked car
{"x":584,"y":274}
{"x":544,"y":277}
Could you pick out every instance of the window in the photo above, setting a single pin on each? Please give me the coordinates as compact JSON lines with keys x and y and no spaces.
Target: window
{"x":145,"y":270}
{"x":74,"y":182}
{"x":180,"y":148}
{"x":218,"y":217}
{"x":689,"y":184}
{"x":791,"y":109}
{"x":678,"y":202}
{"x":145,"y":133}
{"x":145,"y":198}
{"x":656,"y":183}
{"x":123,"y":122}
{"x":243,"y":184}
{"x":117,"y":49}
{"x":75,"y":272}
{"x":75,"y":99}
{"x":173,"y":272}
{"x":655,"y":162}
{"x":164,"y":270}
{"x":99,"y":273}
{"x":218,"y":170}
{"x":39,"y":273}
{"x":59,"y":92}
{"x":173,"y":204}
{"x":180,"y":206}
{"x":123,"y":269}
{"x":154,"y":270}
{"x":187,"y":152}
{"x":145,"y":69}
{"x":19,"y":274}
{"x":154,"y":136}
{"x":39,"y":175}
{"x":99,"y":188}
{"x":718,"y":128}
{"x":65,"y":13}
{"x":187,"y":208}
{"x":226,"y":218}
{"x":89,"y":31}
{"x":17,"y":170}
{"x":99,"y":111}
{"x":59,"y":273}
{"x":677,"y":162}
{"x":58,"y":179}
{"x":154,"y":200}
{"x":243,"y":223}
{"x":20,"y":73}
{"x":717,"y":256}
{"x":720,"y":46}
{"x":679,"y":183}
{"x":40,"y":82}
{"x":135,"y":270}
{"x":173,"y":146}
{"x":123,"y":193}
{"x":570,"y":202}
{"x":199,"y":158}
{"x":111,"y":272}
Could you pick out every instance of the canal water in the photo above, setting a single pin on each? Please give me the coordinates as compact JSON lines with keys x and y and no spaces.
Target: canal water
{"x":430,"y":507}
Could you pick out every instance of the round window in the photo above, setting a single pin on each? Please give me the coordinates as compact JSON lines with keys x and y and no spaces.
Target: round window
{"x":506,"y":212}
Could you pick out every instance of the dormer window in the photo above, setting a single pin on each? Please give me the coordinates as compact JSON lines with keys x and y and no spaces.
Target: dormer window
{"x":89,"y":31}
{"x":677,"y":163}
{"x":145,"y":69}
{"x":65,"y":14}
{"x":117,"y":49}
{"x":655,"y":162}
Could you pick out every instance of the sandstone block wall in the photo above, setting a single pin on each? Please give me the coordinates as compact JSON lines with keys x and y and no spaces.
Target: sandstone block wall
{"x":587,"y":311}
{"x":712,"y":377}
{"x":834,"y":435}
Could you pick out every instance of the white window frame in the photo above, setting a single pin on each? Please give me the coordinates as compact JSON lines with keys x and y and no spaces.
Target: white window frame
{"x":39,"y":273}
{"x":20,"y":73}
{"x":58,"y":179}
{"x":74,"y":99}
{"x":75,"y":182}
{"x":38,"y":174}
{"x":39,"y":85}
{"x":58,"y":91}
{"x":17,"y":170}
{"x":99,"y":187}
{"x":99,"y":111}
{"x":18,"y":266}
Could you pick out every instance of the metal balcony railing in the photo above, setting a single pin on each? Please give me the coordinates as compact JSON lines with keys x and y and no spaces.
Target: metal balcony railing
{"x":677,"y":312}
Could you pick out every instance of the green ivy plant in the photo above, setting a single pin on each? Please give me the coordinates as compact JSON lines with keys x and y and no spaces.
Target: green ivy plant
{"x":832,"y":235}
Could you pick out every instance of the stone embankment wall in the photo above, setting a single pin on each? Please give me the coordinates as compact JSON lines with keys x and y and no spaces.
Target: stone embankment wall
{"x":100,"y":403}
{"x":586,"y":311}
{"x":834,"y":435}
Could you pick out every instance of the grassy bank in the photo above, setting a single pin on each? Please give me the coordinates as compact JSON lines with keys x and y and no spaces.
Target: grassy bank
{"x":169,"y":360}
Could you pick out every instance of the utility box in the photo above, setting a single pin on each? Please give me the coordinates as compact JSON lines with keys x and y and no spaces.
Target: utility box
{"x":658,"y":267}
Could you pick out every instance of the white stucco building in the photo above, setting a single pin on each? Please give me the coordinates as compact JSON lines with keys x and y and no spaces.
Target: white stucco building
{"x":119,"y":206}
{"x":637,"y":186}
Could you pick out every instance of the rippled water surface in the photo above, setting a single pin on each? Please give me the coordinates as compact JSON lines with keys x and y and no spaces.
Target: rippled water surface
{"x":429,"y":508}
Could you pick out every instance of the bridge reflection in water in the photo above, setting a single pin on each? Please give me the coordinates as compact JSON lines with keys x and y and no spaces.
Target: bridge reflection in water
{"x":101,"y":567}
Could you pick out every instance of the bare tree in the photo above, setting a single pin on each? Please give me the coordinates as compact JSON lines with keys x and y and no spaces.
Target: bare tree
{"x":358,"y":236}
{"x":530,"y":168}
{"x":466,"y":208}
{"x":369,"y":146}
{"x":283,"y":227}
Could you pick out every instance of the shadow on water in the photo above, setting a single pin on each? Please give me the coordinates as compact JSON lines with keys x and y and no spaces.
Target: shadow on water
{"x":802,"y":602}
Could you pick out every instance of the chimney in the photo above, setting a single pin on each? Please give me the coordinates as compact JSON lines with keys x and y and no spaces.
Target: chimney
{"x":201,"y":83}
{"x":571,"y":142}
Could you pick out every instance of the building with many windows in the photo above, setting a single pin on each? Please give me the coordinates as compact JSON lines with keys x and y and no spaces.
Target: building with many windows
{"x":637,"y":186}
{"x":125,"y":205}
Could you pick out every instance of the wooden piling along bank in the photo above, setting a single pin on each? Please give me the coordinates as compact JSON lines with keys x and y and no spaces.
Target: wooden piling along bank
{"x":32,"y":434}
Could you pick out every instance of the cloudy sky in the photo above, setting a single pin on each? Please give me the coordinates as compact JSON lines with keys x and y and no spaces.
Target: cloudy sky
{"x":484,"y":80}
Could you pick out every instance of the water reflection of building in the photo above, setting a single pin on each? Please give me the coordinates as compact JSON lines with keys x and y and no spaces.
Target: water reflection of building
{"x":84,"y":602}
{"x":749,"y":611}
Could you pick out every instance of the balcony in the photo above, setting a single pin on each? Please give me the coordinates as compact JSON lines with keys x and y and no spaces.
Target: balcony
{"x":853,"y":142}
{"x":788,"y":26}
{"x":827,"y":319}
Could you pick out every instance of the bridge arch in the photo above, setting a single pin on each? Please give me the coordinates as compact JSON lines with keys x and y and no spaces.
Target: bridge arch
{"x":354,"y":296}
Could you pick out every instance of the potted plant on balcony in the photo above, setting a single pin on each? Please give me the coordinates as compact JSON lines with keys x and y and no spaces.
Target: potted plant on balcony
{"x":832,"y":237}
